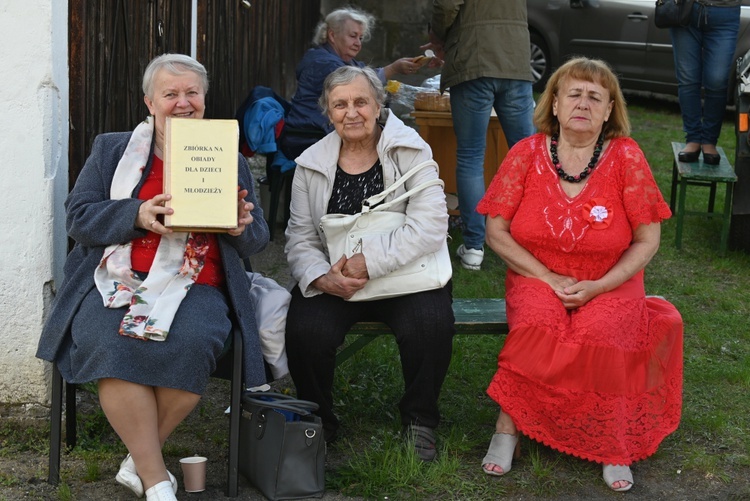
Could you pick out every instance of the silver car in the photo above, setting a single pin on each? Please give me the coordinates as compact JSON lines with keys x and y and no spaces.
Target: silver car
{"x":620,"y":32}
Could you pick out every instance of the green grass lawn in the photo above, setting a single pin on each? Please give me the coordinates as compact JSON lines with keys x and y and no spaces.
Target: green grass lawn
{"x":708,"y":457}
{"x":712,"y":444}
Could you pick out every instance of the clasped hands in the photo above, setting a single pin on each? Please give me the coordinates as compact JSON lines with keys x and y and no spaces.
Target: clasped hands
{"x":151,"y":214}
{"x":572,"y":293}
{"x":345,"y":278}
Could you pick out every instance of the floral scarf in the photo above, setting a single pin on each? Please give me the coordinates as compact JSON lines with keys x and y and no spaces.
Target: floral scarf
{"x":178,"y":261}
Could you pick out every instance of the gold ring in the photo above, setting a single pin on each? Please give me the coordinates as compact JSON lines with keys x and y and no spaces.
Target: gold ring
{"x":152,"y":222}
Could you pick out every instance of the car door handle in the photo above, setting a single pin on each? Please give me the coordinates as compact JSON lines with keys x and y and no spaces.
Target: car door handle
{"x":637,"y":16}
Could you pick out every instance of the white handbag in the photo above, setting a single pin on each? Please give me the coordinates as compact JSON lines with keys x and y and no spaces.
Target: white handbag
{"x":343,"y":235}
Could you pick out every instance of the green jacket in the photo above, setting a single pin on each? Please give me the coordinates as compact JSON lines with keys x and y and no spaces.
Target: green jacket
{"x":482,"y":38}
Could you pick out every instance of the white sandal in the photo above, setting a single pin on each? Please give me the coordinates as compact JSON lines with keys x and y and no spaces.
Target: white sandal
{"x":504,"y":447}
{"x":617,"y":473}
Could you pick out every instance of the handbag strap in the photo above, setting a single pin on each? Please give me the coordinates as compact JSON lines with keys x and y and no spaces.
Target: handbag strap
{"x":282,"y":402}
{"x":375,"y":199}
{"x":406,"y":195}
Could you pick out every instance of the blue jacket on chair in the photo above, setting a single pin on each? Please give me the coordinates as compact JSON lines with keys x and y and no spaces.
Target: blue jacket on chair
{"x":256,"y":94}
{"x":260,"y":125}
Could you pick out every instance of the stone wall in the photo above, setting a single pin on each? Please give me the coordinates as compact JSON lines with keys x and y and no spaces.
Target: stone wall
{"x":34,"y":148}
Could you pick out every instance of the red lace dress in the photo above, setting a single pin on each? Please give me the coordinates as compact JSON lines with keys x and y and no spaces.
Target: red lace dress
{"x":602,"y":382}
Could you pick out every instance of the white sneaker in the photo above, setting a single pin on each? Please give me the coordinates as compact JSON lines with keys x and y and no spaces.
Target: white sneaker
{"x":128,"y":476}
{"x":173,"y":481}
{"x":471,"y":259}
{"x":161,"y":492}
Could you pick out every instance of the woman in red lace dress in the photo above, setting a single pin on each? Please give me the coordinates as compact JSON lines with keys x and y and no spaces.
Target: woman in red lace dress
{"x":591,"y":367}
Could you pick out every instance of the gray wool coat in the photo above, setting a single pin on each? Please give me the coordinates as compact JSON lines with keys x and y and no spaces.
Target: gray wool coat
{"x":94,"y":221}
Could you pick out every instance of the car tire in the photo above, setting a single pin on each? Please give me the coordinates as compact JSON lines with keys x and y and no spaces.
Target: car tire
{"x":540,"y":61}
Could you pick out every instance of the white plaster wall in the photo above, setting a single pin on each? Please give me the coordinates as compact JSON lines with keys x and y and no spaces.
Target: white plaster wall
{"x":33,"y":182}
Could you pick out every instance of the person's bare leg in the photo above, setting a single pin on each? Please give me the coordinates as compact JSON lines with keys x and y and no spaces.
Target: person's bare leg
{"x":173,"y":407}
{"x":505,"y":424}
{"x":143,"y":417}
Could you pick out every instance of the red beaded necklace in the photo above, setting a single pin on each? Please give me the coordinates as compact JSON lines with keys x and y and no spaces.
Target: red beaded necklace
{"x":585,"y":173}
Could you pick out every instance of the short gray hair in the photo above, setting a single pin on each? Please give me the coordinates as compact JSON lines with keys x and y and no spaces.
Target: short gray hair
{"x":345,"y":75}
{"x":336,"y":19}
{"x":176,"y":64}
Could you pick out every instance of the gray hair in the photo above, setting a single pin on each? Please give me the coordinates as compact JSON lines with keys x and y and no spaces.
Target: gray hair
{"x":176,"y":64}
{"x":345,"y":75}
{"x":335,"y":21}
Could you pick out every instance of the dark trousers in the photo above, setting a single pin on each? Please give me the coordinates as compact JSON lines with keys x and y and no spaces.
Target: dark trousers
{"x":422,"y":323}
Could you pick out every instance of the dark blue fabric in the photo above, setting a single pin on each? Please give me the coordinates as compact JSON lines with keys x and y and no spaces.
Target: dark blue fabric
{"x":312,"y":70}
{"x":294,"y":141}
{"x":184,"y":361}
{"x":281,"y":162}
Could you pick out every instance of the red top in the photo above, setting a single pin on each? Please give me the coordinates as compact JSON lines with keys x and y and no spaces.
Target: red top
{"x":144,"y":249}
{"x":604,"y":381}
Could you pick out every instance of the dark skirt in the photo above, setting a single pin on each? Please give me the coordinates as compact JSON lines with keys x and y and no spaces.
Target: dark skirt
{"x":184,"y":361}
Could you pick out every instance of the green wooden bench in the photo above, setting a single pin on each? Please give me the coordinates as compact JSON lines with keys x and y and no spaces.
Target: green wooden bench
{"x":701,"y":174}
{"x":473,"y":316}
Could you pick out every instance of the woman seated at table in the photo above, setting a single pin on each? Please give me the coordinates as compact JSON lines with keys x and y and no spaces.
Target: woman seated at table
{"x":591,"y":366}
{"x":369,"y":150}
{"x":144,"y":310}
{"x":337,"y":41}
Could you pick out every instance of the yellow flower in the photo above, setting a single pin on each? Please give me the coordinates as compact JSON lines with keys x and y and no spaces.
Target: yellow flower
{"x":392,"y":86}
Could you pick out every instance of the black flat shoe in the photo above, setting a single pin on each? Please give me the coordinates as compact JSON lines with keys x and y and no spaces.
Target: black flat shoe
{"x":689,"y":156}
{"x":711,"y":158}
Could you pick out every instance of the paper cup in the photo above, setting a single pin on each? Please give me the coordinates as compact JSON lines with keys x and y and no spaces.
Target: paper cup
{"x":194,"y":473}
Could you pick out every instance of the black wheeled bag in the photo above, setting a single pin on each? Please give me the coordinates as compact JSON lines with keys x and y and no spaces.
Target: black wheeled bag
{"x":282,"y":449}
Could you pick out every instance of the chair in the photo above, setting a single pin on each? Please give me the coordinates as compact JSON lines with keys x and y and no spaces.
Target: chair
{"x":277,"y":181}
{"x":700,"y":174}
{"x":229,"y":367}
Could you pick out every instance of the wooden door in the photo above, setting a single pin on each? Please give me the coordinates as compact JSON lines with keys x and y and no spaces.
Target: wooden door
{"x":112,"y":41}
{"x":244,"y":47}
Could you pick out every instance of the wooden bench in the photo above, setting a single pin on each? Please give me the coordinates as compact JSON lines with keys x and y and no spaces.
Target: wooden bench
{"x":701,"y":174}
{"x":473,"y":316}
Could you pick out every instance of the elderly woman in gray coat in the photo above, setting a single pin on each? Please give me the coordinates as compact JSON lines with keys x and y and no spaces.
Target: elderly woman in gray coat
{"x":368,"y":151}
{"x":147,"y":324}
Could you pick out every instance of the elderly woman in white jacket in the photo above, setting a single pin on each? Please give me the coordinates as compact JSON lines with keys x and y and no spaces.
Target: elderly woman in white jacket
{"x":369,"y":150}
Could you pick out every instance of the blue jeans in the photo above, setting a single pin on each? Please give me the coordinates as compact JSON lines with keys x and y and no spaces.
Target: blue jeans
{"x":471,"y":105}
{"x":703,"y":56}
